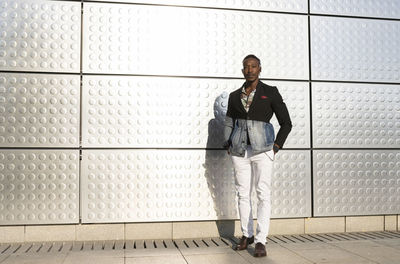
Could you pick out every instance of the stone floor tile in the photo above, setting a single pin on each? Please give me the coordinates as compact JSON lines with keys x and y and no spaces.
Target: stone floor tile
{"x":372,"y":251}
{"x":274,"y":255}
{"x":152,"y":252}
{"x":311,"y":245}
{"x":92,"y":258}
{"x":3,"y":257}
{"x":156,"y":260}
{"x":35,"y":259}
{"x":206,"y":250}
{"x":98,"y":253}
{"x":231,"y":258}
{"x":330,"y":255}
{"x":388,"y":242}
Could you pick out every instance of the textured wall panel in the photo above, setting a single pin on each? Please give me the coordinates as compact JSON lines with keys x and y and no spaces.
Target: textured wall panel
{"x":356,"y":182}
{"x":296,"y":96}
{"x":351,"y":49}
{"x":356,"y":115}
{"x":179,"y":185}
{"x":139,"y":39}
{"x":172,"y":112}
{"x":369,"y":8}
{"x":39,"y":110}
{"x":291,"y":184}
{"x":39,"y":186}
{"x":40,"y":35}
{"x":271,"y":5}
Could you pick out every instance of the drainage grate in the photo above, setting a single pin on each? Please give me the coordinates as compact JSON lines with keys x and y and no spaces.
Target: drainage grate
{"x":333,"y":237}
{"x":64,"y":247}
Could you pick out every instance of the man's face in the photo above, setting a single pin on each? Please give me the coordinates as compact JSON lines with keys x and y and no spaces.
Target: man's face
{"x":251,"y":69}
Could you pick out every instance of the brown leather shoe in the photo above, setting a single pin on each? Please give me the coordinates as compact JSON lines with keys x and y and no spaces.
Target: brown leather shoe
{"x":244,"y":242}
{"x":259,"y":250}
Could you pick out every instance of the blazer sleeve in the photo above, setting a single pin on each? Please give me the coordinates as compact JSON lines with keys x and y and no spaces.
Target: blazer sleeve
{"x":282,"y":114}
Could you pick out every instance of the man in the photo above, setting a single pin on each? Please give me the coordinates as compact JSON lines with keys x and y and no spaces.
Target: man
{"x":250,"y":140}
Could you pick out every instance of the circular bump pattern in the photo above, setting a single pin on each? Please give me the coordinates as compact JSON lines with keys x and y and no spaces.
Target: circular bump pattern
{"x":356,"y":115}
{"x":35,"y":117}
{"x":381,"y":9}
{"x":143,"y":112}
{"x":270,"y":5}
{"x":154,"y":112}
{"x":352,"y":186}
{"x":202,"y":46}
{"x":296,"y":97}
{"x":354,"y":57}
{"x":40,"y":37}
{"x":31,"y":190}
{"x":166,"y":185}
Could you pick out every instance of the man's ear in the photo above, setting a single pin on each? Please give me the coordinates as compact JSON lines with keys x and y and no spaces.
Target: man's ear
{"x":260,"y":68}
{"x":242,"y":71}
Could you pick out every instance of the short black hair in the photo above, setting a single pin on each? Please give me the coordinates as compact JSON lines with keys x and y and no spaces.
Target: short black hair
{"x":251,"y":56}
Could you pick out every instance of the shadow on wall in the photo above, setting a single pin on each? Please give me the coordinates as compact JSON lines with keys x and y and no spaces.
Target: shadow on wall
{"x":219,"y":172}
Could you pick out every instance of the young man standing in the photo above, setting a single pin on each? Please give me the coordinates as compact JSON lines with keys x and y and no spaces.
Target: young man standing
{"x":251,"y":142}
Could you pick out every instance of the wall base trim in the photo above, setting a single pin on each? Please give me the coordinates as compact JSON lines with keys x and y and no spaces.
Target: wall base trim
{"x":196,"y":229}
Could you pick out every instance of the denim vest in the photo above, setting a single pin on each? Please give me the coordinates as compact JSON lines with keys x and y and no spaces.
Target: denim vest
{"x":261,"y":135}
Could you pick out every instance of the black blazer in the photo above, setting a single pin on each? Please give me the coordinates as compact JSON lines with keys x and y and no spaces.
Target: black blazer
{"x":267,"y":101}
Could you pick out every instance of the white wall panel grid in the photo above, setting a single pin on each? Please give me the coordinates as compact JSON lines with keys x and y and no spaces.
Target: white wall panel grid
{"x":40,"y":36}
{"x":39,"y":186}
{"x":39,"y":110}
{"x":181,"y":185}
{"x":356,"y":115}
{"x":162,"y":112}
{"x":296,"y":96}
{"x":349,"y":49}
{"x":266,"y":5}
{"x":356,"y":182}
{"x":367,"y":8}
{"x":142,"y":39}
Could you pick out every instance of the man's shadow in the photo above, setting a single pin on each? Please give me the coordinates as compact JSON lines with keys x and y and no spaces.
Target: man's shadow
{"x":219,"y":171}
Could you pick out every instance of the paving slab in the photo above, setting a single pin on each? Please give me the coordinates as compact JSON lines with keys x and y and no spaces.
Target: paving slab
{"x":93,"y":258}
{"x":311,"y":245}
{"x":206,"y":250}
{"x":373,"y":251}
{"x":156,"y":260}
{"x":331,"y":255}
{"x":98,"y":253}
{"x":388,"y":242}
{"x":275,"y":254}
{"x":152,"y":252}
{"x":230,"y":258}
{"x":35,"y":259}
{"x":3,"y":257}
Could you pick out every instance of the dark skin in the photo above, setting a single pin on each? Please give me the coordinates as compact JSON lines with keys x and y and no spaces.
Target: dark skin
{"x":251,"y":72}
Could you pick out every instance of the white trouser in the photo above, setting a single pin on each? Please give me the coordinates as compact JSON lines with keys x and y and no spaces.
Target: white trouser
{"x":254,"y":170}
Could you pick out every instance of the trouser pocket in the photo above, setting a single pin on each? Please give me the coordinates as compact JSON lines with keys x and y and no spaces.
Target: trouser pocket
{"x":270,"y":154}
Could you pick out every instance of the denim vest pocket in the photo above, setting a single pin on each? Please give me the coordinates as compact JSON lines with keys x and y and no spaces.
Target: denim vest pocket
{"x":269,"y":133}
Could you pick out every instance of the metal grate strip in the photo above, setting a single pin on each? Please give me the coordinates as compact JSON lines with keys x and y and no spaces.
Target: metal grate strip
{"x":109,"y":245}
{"x":169,"y":244}
{"x":119,"y":245}
{"x":64,"y":247}
{"x":129,"y":244}
{"x":98,"y":245}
